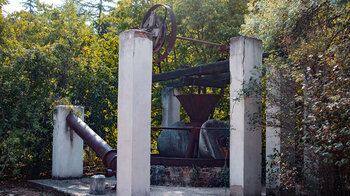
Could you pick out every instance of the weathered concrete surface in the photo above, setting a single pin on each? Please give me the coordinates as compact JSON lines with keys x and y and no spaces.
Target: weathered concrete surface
{"x":67,"y":150}
{"x":173,"y":143}
{"x":97,"y":184}
{"x":273,"y":131}
{"x":80,"y":187}
{"x":134,"y":112}
{"x":245,"y":133}
{"x":170,"y":106}
{"x":188,"y":191}
{"x":75,"y":187}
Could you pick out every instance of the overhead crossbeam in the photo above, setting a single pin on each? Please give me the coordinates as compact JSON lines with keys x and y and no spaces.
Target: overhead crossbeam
{"x":216,"y":81}
{"x":206,"y":69}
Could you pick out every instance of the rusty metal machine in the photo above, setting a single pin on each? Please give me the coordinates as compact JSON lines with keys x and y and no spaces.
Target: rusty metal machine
{"x":197,"y":106}
{"x":164,"y":34}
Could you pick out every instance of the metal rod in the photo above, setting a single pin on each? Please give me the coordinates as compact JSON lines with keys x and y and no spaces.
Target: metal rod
{"x":187,"y":128}
{"x":173,"y":161}
{"x":192,"y":142}
{"x":198,"y":41}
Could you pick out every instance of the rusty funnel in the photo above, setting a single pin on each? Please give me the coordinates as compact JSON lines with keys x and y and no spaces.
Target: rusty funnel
{"x":198,"y":106}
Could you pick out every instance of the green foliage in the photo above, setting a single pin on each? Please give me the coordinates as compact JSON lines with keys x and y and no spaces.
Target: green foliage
{"x":312,"y":73}
{"x":225,"y":176}
{"x":25,"y":113}
{"x":30,"y":5}
{"x":51,"y":58}
{"x":201,"y":20}
{"x":2,"y":22}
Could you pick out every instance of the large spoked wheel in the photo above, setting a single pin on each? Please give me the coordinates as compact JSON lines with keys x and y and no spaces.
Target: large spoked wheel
{"x":163,"y":30}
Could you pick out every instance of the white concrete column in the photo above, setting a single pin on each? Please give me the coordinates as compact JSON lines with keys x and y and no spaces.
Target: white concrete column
{"x":134,"y":113}
{"x":245,"y":130}
{"x":67,"y":151}
{"x":280,"y":125}
{"x":273,"y":131}
{"x":170,"y":106}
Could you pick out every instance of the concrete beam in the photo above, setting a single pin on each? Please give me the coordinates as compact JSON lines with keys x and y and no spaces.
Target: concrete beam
{"x":245,"y":133}
{"x":134,"y":113}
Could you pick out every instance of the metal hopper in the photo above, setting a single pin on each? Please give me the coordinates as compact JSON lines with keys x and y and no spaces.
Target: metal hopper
{"x":198,"y":108}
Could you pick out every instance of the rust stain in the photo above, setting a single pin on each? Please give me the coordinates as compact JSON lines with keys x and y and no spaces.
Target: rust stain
{"x":143,"y":34}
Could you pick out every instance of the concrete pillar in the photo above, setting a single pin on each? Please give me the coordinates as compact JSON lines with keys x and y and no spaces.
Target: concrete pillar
{"x":67,"y":151}
{"x":245,"y":130}
{"x":134,"y":113}
{"x":280,"y":126}
{"x":170,"y":106}
{"x":273,"y":132}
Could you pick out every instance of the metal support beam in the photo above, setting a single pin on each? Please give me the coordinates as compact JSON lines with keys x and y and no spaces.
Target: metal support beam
{"x":206,"y":69}
{"x":216,"y":82}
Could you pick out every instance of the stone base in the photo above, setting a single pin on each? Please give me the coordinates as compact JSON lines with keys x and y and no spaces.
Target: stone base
{"x":236,"y":191}
{"x":188,"y":176}
{"x":97,"y":184}
{"x":81,"y":187}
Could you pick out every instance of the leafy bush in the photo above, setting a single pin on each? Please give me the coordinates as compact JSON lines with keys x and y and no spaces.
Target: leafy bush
{"x":25,"y":113}
{"x":311,"y":72}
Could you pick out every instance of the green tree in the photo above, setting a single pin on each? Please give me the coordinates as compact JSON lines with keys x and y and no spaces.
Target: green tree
{"x":312,"y":39}
{"x":30,"y":5}
{"x":209,"y":20}
{"x":2,"y":22}
{"x":50,"y":58}
{"x":96,"y":9}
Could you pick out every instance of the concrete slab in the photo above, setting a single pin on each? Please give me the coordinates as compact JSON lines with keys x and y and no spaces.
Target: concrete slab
{"x":81,"y":187}
{"x":188,"y":191}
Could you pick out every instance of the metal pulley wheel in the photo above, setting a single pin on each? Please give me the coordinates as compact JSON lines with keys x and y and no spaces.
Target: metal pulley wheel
{"x":163,"y":33}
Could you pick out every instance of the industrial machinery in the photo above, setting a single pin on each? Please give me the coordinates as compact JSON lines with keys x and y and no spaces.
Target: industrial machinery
{"x":197,"y":106}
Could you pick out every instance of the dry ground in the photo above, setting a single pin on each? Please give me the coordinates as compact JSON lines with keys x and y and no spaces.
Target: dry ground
{"x":17,"y":188}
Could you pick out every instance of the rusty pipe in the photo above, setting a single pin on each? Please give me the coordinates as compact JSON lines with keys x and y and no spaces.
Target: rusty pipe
{"x":102,"y":149}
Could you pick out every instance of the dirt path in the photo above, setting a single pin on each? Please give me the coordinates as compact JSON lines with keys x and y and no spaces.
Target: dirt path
{"x":15,"y":188}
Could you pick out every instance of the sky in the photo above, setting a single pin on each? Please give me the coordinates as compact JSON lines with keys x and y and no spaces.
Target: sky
{"x":15,"y":5}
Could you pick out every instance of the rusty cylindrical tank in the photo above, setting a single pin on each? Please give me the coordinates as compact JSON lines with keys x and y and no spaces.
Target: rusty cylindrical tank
{"x":102,"y":149}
